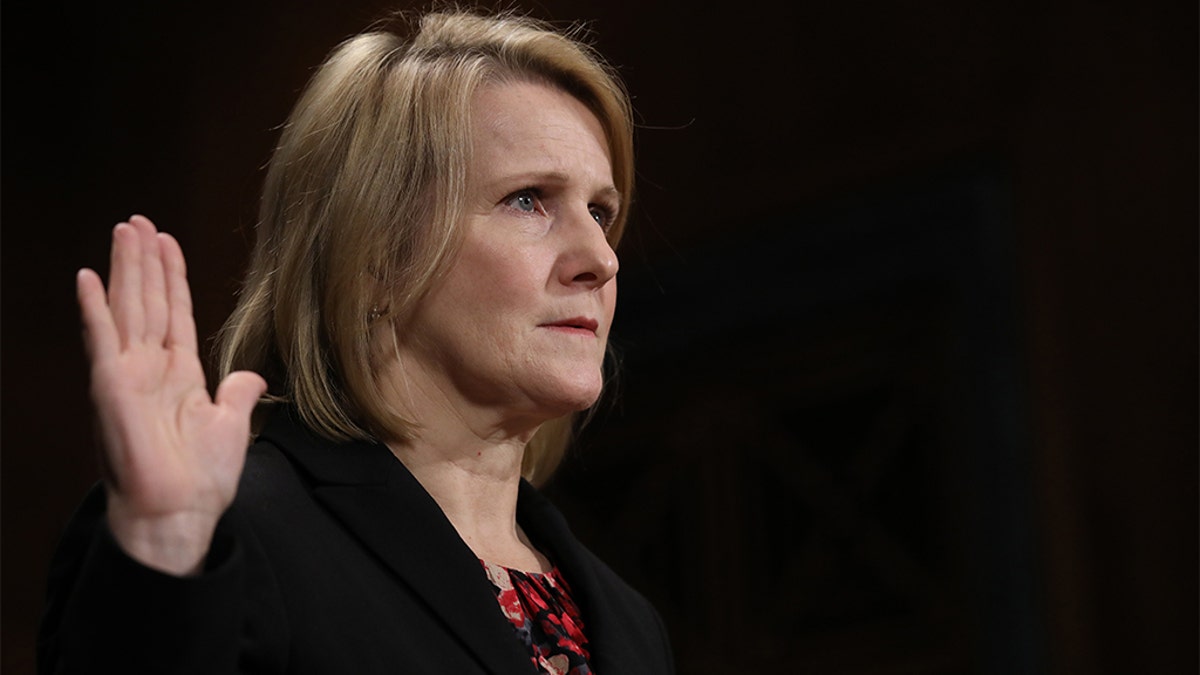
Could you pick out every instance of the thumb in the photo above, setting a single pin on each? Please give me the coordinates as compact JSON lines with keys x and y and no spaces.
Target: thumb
{"x":240,"y":391}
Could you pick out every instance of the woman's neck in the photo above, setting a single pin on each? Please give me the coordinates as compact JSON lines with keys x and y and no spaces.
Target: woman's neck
{"x":468,"y":458}
{"x":476,"y":486}
{"x":471,"y":465}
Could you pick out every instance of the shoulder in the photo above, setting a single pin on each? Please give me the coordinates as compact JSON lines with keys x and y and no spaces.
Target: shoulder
{"x":268,"y":471}
{"x":274,"y":494}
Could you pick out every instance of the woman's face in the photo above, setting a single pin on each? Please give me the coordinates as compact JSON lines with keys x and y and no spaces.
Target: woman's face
{"x":521,"y":321}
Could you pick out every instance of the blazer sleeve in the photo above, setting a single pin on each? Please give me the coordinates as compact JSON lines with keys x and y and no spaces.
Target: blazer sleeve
{"x":108,"y":613}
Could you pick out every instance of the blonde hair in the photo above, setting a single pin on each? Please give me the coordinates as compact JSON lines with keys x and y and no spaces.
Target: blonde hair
{"x":361,"y":208}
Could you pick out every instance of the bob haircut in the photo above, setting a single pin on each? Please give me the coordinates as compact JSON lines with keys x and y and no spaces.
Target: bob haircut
{"x":361,"y":209}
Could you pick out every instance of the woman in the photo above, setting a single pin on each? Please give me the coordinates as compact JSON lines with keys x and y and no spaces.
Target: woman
{"x":428,"y":302}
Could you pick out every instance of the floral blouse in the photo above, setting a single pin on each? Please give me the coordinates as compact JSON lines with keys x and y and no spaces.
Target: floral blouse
{"x":546,"y":620}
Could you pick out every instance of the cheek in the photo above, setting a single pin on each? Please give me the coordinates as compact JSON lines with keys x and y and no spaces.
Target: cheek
{"x":610,"y":299}
{"x":500,"y":277}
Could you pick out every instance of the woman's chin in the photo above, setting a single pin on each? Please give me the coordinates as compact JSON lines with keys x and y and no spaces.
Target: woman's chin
{"x":573,"y":395}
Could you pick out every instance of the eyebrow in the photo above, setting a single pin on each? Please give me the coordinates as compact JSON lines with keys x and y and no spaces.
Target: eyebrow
{"x":612,"y":191}
{"x":556,"y":177}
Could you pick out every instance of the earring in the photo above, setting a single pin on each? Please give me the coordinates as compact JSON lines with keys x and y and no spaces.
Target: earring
{"x":376,"y":312}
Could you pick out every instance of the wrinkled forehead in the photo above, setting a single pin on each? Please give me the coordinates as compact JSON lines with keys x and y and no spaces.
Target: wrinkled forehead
{"x":534,"y":128}
{"x":507,"y":77}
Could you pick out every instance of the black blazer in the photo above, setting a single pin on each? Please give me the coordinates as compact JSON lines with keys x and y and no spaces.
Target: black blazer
{"x":332,"y":559}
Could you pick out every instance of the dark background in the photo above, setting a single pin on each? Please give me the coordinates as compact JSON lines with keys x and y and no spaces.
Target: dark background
{"x":909,"y":309}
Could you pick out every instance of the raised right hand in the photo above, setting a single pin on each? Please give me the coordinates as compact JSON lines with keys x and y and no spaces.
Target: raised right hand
{"x":173,"y":454}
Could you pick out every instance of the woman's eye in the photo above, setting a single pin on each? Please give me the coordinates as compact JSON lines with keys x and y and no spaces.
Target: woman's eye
{"x":525,"y":200}
{"x":602,"y":215}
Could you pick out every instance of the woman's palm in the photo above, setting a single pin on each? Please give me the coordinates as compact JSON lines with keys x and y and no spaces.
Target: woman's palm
{"x":173,"y":454}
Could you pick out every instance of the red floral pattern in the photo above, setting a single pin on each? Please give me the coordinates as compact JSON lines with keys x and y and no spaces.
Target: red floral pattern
{"x":547,"y":621}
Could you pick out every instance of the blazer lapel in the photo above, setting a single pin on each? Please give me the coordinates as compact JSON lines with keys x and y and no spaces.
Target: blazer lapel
{"x":612,"y":633}
{"x":376,"y":498}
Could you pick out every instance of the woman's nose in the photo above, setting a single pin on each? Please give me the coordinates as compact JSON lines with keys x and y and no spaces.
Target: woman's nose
{"x":588,"y":258}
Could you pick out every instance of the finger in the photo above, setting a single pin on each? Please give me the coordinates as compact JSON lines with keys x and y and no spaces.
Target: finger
{"x":239,"y":392}
{"x":154,"y":291}
{"x":100,"y":337}
{"x":125,"y":284}
{"x":181,"y":324}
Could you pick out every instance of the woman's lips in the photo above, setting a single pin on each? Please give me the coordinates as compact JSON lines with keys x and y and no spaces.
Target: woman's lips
{"x":579,"y":325}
